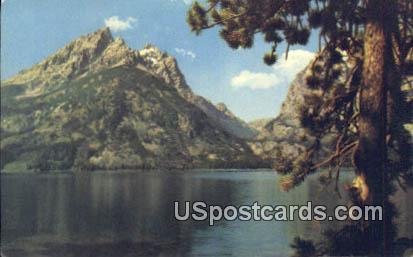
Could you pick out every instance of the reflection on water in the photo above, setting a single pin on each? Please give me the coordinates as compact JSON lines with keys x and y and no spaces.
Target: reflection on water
{"x":132,"y":214}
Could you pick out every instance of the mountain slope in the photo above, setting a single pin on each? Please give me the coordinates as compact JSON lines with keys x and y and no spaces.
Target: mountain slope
{"x":259,"y":124}
{"x":166,"y":67}
{"x":97,"y":104}
{"x":285,"y":136}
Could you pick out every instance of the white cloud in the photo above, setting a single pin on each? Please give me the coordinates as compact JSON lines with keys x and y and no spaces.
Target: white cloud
{"x":116,"y":24}
{"x":297,"y":61}
{"x":254,"y":80}
{"x":185,"y":53}
{"x":284,"y":72}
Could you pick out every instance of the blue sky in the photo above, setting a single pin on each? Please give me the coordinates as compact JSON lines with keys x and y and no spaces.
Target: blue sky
{"x":32,"y":30}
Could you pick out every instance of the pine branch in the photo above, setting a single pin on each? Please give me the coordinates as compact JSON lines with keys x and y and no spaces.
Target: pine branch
{"x":223,"y":20}
{"x":339,"y":153}
{"x":212,"y":7}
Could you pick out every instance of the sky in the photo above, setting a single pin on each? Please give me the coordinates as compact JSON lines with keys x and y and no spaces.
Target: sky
{"x":32,"y":30}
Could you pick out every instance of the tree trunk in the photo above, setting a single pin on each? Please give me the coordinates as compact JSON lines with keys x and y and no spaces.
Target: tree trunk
{"x":371,"y":154}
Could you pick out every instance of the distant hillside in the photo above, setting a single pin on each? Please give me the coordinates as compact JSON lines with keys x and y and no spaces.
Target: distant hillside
{"x":166,"y":67}
{"x":259,"y":124}
{"x":285,"y":135}
{"x":97,"y":104}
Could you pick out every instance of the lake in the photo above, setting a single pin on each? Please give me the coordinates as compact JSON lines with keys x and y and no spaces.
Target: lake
{"x":131,"y":213}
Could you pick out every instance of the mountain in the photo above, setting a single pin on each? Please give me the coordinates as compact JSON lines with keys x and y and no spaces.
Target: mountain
{"x":225,"y":118}
{"x":166,"y":67}
{"x":98,"y":104}
{"x":259,"y":124}
{"x":284,"y":134}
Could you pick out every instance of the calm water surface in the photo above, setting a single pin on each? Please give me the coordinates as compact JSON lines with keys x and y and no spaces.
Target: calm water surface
{"x":127,"y":214}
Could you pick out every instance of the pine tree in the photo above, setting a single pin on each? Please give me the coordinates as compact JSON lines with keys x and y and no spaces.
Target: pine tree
{"x":367,"y":110}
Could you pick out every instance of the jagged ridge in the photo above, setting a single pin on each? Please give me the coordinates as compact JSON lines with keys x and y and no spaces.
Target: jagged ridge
{"x":98,"y":104}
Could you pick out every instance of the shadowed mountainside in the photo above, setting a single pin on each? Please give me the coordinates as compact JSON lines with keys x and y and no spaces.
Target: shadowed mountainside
{"x":285,"y":135}
{"x":97,"y":104}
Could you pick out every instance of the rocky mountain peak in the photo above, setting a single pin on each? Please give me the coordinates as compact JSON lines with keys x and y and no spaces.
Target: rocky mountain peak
{"x":152,"y":53}
{"x":98,"y":104}
{"x":83,"y":49}
{"x":118,"y":53}
{"x":67,"y":62}
{"x":97,"y":39}
{"x":131,"y":108}
{"x":165,"y":66}
{"x":96,"y":51}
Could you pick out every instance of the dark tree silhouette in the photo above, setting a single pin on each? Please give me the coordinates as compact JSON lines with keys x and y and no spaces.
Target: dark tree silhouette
{"x":366,"y":110}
